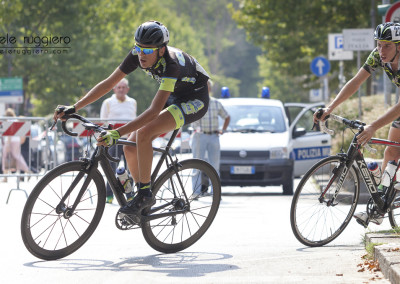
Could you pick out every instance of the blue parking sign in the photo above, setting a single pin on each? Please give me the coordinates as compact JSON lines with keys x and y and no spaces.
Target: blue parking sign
{"x":320,"y":66}
{"x":339,"y":42}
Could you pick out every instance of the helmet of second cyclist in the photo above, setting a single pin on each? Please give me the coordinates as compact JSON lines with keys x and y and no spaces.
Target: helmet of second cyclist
{"x":388,"y":32}
{"x":152,"y":33}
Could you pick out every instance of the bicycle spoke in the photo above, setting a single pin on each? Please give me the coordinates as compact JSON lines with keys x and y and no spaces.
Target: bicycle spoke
{"x":54,"y":233}
{"x":316,"y":223}
{"x":183,"y":229}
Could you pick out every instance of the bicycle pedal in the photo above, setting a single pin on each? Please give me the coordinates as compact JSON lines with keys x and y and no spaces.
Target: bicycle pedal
{"x":362,"y":223}
{"x":126,"y":222}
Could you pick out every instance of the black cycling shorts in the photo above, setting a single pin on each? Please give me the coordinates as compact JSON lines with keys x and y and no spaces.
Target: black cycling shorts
{"x":396,"y":123}
{"x":189,"y":107}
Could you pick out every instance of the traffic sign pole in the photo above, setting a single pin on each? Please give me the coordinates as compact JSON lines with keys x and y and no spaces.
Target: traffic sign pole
{"x":320,"y":66}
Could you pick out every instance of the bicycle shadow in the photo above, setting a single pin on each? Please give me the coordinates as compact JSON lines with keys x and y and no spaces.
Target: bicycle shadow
{"x":339,"y":247}
{"x":187,"y":264}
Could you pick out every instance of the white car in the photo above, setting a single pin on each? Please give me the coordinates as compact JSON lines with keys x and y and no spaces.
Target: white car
{"x":266,"y":144}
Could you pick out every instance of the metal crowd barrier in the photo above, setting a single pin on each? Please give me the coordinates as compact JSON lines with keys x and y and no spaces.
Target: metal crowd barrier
{"x":22,"y":141}
{"x":42,"y":149}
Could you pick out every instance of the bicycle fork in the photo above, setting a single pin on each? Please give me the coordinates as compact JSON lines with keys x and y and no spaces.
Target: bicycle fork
{"x":340,"y":172}
{"x":68,"y":211}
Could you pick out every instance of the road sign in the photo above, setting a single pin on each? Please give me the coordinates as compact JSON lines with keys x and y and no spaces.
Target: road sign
{"x":393,"y":13}
{"x":358,"y":39}
{"x":320,"y":66}
{"x":316,"y":95}
{"x":11,"y":90}
{"x":335,"y":48}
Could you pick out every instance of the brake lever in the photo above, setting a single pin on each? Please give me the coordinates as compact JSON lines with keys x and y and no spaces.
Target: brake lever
{"x":52,"y":126}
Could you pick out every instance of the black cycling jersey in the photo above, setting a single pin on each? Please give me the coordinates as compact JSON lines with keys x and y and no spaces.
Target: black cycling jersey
{"x":177,"y":71}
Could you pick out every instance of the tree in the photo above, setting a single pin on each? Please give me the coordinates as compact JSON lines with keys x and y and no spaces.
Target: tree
{"x":232,"y":60}
{"x":101,"y":35}
{"x":291,"y":33}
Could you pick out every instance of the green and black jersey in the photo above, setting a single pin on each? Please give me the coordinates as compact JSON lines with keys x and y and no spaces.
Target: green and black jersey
{"x":177,"y":71}
{"x":374,"y":61}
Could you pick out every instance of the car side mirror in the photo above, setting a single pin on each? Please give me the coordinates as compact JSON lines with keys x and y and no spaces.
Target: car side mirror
{"x":297,"y":132}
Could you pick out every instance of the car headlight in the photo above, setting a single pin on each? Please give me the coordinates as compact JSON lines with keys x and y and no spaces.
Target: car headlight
{"x":279,"y":153}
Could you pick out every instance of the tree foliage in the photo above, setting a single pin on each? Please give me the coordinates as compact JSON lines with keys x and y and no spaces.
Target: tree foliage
{"x":101,"y":34}
{"x":291,"y":33}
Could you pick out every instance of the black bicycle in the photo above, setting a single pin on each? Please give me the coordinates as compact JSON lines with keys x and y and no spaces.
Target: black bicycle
{"x":66,"y":205}
{"x":327,"y":195}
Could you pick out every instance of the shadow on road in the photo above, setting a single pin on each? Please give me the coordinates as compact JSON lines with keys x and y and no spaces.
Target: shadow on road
{"x":346,"y":247}
{"x":189,"y":264}
{"x":251,"y":194}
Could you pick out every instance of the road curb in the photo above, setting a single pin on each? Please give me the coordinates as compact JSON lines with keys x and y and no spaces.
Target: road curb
{"x":387,"y":254}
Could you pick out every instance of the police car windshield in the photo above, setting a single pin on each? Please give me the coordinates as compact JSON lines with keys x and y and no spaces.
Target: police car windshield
{"x":248,"y":118}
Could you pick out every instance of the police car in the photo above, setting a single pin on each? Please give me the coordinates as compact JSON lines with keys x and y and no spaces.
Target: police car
{"x":268,"y":143}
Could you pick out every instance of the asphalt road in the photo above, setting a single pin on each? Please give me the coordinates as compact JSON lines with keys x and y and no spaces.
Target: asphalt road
{"x":250,"y":241}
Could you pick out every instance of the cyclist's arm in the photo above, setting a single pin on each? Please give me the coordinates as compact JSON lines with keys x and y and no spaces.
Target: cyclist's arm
{"x":369,"y":130}
{"x":100,"y":89}
{"x":157,"y":105}
{"x":347,"y":91}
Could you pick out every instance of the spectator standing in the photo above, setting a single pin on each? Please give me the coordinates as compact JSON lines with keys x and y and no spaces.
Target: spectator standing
{"x":121,"y":107}
{"x":12,"y":150}
{"x":205,"y":139}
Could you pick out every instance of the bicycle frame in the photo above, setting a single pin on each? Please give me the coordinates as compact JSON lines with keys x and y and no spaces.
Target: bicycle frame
{"x":101,"y":155}
{"x":354,"y":154}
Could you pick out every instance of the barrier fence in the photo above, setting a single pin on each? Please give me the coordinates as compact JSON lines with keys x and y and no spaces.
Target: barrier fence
{"x":42,"y":149}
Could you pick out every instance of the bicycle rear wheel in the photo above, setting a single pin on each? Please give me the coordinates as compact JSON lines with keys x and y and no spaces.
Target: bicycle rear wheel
{"x":394,"y":214}
{"x":198,"y":181}
{"x":317,"y":222}
{"x":49,"y":234}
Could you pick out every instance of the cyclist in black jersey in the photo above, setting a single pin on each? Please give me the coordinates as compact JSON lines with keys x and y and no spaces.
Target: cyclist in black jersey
{"x":387,"y":56}
{"x":182,"y":98}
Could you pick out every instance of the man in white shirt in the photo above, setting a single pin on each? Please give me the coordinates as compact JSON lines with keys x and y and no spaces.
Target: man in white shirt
{"x":122,"y":109}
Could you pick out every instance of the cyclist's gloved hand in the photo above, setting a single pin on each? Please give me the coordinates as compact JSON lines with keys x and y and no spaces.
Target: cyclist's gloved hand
{"x":66,"y":109}
{"x":110,"y":138}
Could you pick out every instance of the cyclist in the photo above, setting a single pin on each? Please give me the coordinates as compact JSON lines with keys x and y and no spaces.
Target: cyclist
{"x":386,"y":55}
{"x":182,"y":98}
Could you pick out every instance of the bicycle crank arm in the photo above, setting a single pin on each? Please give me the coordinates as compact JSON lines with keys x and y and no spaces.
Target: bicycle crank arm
{"x":147,"y":218}
{"x":155,"y":209}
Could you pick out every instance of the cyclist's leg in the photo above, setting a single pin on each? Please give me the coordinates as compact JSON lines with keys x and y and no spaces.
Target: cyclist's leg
{"x":131,"y":158}
{"x":392,"y":153}
{"x":180,"y":110}
{"x":143,"y":158}
{"x":164,"y":123}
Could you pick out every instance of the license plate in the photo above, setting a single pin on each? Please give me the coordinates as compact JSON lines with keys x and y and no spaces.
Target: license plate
{"x":243,"y":170}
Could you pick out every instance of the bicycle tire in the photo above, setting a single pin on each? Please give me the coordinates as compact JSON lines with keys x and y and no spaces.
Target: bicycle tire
{"x":314,"y":223}
{"x":173,"y":234}
{"x":49,"y":235}
{"x":394,"y":213}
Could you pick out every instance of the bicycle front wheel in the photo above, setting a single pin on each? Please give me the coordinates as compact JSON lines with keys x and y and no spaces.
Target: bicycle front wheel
{"x":317,"y":221}
{"x":51,"y":234}
{"x":394,"y":214}
{"x":194,"y":193}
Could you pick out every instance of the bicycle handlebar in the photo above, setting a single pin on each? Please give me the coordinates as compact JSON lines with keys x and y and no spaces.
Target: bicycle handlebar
{"x":353,"y":124}
{"x":86,"y":123}
{"x":88,"y":126}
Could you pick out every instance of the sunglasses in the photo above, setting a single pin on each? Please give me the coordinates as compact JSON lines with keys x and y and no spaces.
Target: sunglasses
{"x":145,"y":50}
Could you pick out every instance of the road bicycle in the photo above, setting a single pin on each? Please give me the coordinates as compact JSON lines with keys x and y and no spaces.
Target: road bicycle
{"x":65,"y":207}
{"x":327,"y":195}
